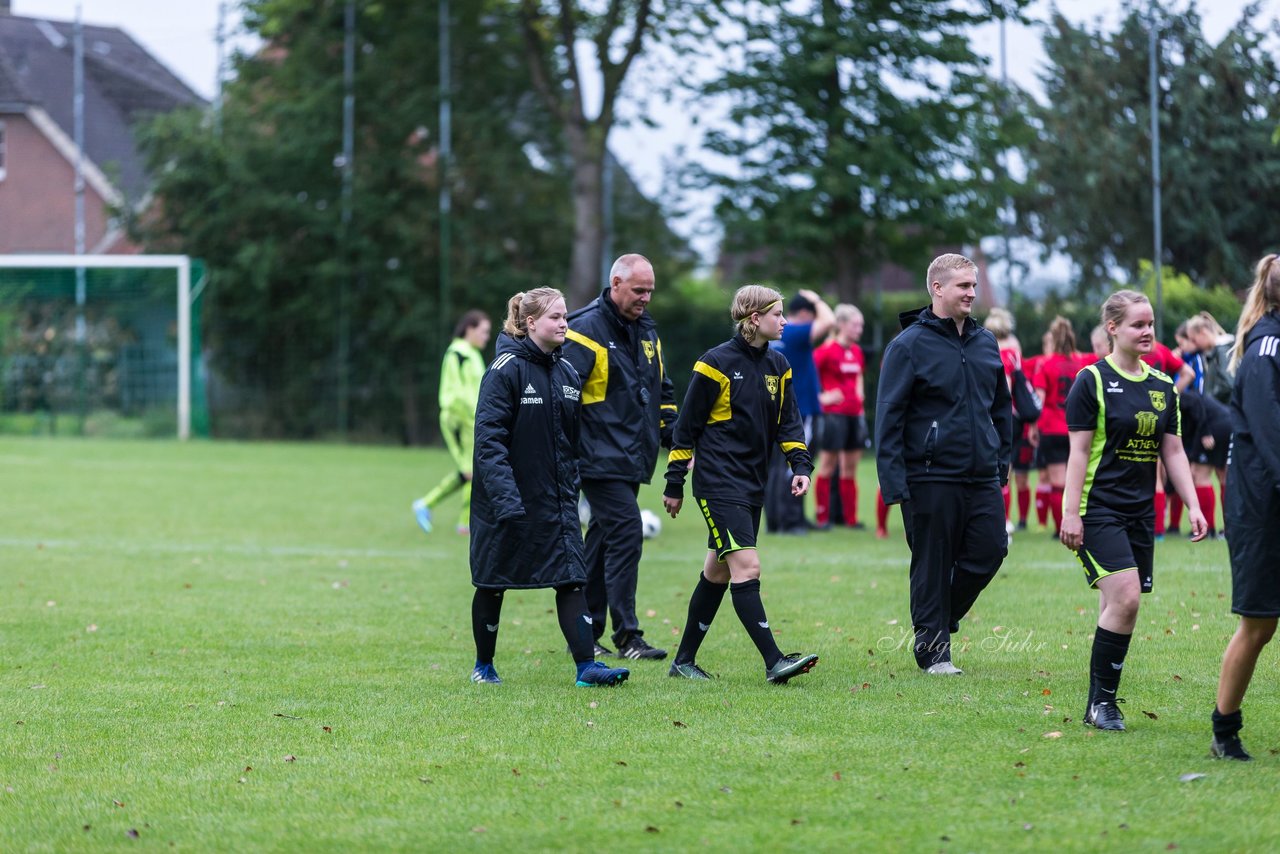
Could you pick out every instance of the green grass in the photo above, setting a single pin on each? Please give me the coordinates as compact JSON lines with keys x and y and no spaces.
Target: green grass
{"x":172,"y":616}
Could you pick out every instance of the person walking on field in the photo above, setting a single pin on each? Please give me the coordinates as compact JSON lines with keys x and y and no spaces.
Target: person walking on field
{"x":944,"y":433}
{"x":740,"y":402}
{"x":1253,"y":512}
{"x":460,"y":375}
{"x":524,"y":508}
{"x":841,"y":369}
{"x":1122,"y":415}
{"x":628,"y":410}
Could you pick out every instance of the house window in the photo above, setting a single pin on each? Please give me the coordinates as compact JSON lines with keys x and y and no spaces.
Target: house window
{"x":3,"y":160}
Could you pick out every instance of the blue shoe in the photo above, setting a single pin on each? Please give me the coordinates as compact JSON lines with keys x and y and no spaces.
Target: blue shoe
{"x":596,"y":675}
{"x":484,"y":674}
{"x":422,"y":513}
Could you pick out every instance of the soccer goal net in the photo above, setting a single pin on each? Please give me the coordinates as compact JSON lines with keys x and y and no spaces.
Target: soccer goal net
{"x":101,"y":345}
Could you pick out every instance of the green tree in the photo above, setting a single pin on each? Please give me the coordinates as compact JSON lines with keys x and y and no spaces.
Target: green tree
{"x":1089,"y":164}
{"x":261,"y":202}
{"x":859,"y":132}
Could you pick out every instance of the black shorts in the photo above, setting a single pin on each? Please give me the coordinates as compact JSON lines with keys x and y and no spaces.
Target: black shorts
{"x":843,"y":432}
{"x":1114,"y":544}
{"x":1024,"y":453}
{"x":1054,"y":450}
{"x":731,"y":527}
{"x":1251,"y":513}
{"x":1216,"y":457}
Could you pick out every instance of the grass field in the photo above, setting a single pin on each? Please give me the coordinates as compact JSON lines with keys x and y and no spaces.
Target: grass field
{"x":252,"y":647}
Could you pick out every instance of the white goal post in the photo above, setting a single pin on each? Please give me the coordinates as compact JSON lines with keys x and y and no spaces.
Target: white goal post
{"x":179,"y":263}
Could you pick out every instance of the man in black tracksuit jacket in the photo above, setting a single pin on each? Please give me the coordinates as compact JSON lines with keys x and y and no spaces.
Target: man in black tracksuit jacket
{"x":944,"y":430}
{"x":628,"y":409}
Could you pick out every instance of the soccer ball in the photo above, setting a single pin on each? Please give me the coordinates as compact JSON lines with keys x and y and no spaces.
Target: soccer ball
{"x":650,"y":524}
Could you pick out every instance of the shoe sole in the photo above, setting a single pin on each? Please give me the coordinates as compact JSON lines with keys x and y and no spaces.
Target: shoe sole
{"x":1216,"y":751}
{"x":782,"y":679}
{"x":614,"y":680}
{"x":1119,"y":728}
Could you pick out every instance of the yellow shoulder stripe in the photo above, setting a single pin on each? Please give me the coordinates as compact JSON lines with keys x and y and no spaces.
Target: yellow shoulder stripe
{"x":678,"y":454}
{"x":721,"y":411}
{"x":788,"y":447}
{"x":596,"y":385}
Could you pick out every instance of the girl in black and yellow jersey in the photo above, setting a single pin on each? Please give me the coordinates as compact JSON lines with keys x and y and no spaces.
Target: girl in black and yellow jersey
{"x":1122,"y":416}
{"x":1252,"y":509}
{"x":739,"y":401}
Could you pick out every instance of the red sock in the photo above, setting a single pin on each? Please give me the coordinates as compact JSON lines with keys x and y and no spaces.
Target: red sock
{"x":1055,"y":506}
{"x":1160,"y":514}
{"x":1024,"y":503}
{"x":1175,"y":511}
{"x":882,"y":512}
{"x":822,"y":499}
{"x":849,"y":499}
{"x":1007,"y":494}
{"x":1205,"y":494}
{"x":1043,"y":493}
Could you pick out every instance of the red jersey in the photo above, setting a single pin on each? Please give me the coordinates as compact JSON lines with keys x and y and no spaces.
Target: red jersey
{"x":841,"y":367}
{"x":1054,"y":377}
{"x":1163,"y":359}
{"x":1011,"y":360}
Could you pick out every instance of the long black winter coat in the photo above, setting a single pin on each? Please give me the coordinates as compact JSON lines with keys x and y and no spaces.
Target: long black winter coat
{"x":524,"y":492}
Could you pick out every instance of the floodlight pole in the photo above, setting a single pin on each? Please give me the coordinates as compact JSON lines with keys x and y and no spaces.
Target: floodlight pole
{"x":78,"y":130}
{"x":445,"y":155}
{"x":1158,"y":260}
{"x":348,"y":177}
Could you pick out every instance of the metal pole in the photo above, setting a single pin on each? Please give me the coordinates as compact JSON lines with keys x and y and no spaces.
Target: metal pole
{"x":446,"y":155}
{"x":219,"y":40}
{"x":606,"y":249}
{"x":348,"y":177}
{"x":1008,"y":219}
{"x":81,"y":285}
{"x":1158,"y":260}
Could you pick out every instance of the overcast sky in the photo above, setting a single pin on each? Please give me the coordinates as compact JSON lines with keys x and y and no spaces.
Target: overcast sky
{"x":181,"y":34}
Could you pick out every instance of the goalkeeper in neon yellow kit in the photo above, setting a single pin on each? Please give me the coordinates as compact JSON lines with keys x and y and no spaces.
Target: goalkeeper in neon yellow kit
{"x":459,"y":389}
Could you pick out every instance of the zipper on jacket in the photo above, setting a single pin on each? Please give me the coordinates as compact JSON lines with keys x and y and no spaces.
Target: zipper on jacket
{"x":930,"y":441}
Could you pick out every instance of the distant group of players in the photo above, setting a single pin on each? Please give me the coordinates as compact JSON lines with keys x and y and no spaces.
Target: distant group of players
{"x":581,"y":402}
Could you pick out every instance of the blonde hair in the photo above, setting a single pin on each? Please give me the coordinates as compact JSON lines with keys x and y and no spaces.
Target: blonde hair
{"x":845,"y":312}
{"x":946,"y":263}
{"x":999,"y":322}
{"x":525,"y":305}
{"x":1205,"y":322}
{"x":1117,"y":305}
{"x":748,"y":300}
{"x":1062,"y":336}
{"x":1264,"y":296}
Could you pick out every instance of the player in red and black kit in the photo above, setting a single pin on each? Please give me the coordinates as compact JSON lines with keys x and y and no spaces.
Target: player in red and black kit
{"x":1054,"y":376}
{"x":1123,"y":415}
{"x":1167,"y":362}
{"x":843,"y":434}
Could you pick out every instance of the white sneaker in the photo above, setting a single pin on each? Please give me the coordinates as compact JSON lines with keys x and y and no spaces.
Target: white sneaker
{"x":943,"y":668}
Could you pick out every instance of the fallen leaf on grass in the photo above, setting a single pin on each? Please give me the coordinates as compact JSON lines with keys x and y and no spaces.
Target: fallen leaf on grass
{"x":836,"y":776}
{"x":620,"y":762}
{"x":515,"y":771}
{"x":479,"y":829}
{"x":117,"y":803}
{"x":680,"y":724}
{"x":1151,"y":715}
{"x":725,"y":789}
{"x":290,"y":717}
{"x":291,"y":758}
{"x":1177,"y":678}
{"x":650,"y":829}
{"x":424,"y":779}
{"x":327,"y":728}
{"x":796,"y":821}
{"x":1046,"y":692}
{"x":679,"y":805}
{"x":1190,"y":778}
{"x":131,"y":833}
{"x":1054,"y":734}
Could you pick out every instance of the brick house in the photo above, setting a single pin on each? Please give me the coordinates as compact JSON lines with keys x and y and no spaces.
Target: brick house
{"x":123,"y":85}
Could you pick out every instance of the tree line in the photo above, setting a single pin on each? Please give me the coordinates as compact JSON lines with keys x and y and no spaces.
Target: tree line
{"x":842,"y":134}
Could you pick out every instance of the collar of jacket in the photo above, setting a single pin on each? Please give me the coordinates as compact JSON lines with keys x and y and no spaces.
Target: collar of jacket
{"x":756,"y":353}
{"x":943,"y":326}
{"x":611,"y":311}
{"x":526,"y":349}
{"x":1268,"y":324}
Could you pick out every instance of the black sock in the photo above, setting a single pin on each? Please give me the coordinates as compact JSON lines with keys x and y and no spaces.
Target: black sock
{"x":575,"y":622}
{"x":1226,"y":726}
{"x":746,"y":601}
{"x":486,"y":609}
{"x":703,"y":605}
{"x":1109,"y":650}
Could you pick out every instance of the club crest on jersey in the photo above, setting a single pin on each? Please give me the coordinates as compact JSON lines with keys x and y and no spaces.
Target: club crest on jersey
{"x":771,"y":383}
{"x":1157,"y":400}
{"x":1147,"y":421}
{"x":648,"y":350}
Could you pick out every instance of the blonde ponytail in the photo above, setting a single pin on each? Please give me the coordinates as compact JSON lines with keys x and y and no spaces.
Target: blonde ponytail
{"x":1263,"y":297}
{"x":525,"y":305}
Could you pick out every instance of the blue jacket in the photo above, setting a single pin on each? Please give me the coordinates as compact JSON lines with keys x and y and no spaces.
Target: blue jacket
{"x":943,"y":409}
{"x":524,"y":493}
{"x":1255,"y":408}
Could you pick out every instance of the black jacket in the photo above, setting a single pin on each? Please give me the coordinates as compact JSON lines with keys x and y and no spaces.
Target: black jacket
{"x":739,"y":402}
{"x":628,"y":401}
{"x":943,"y":410}
{"x":524,"y":494}
{"x":1255,"y":407}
